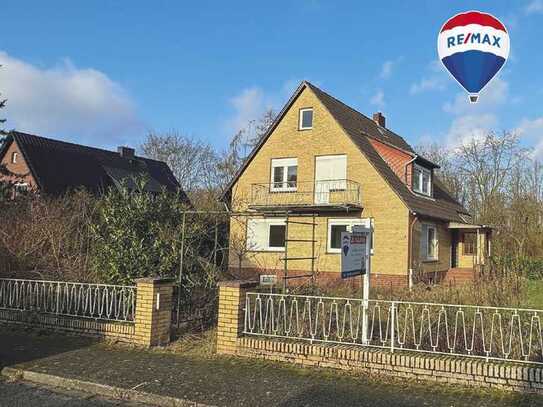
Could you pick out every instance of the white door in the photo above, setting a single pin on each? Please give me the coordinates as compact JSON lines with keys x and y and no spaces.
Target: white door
{"x":330,"y":173}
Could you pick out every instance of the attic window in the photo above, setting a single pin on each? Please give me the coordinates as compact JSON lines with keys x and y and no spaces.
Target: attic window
{"x":422,"y":180}
{"x":306,"y":119}
{"x":14,"y":157}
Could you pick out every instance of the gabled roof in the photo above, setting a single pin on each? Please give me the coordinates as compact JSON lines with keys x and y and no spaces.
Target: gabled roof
{"x":58,"y":166}
{"x":359,"y":128}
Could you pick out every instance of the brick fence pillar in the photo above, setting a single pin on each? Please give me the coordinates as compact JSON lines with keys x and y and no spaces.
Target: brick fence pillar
{"x":153,"y":311}
{"x":231,"y":314}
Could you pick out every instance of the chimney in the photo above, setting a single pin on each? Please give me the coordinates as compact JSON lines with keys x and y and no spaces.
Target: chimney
{"x":379,"y":119}
{"x":126,"y":152}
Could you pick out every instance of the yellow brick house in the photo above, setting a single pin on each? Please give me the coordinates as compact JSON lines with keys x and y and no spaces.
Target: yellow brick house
{"x":323,"y":167}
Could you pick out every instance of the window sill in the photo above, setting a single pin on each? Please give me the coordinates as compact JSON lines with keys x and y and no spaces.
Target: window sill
{"x":267,"y":250}
{"x":305,"y":128}
{"x":430,"y":261}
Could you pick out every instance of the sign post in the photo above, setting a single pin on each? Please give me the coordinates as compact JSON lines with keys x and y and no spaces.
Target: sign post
{"x":356,"y":261}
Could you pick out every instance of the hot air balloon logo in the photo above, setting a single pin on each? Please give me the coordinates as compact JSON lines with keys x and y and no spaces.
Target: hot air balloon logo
{"x":473,"y":47}
{"x":346,"y":245}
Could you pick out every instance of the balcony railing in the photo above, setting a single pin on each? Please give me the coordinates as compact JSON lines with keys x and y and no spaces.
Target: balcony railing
{"x":328,"y":193}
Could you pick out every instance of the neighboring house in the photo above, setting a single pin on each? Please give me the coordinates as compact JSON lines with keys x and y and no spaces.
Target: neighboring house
{"x":323,"y":167}
{"x":53,"y":167}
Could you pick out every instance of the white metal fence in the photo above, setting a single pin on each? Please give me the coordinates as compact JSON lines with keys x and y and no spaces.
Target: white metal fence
{"x":82,"y":300}
{"x":463,"y":330}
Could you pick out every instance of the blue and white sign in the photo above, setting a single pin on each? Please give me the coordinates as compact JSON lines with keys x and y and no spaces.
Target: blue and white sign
{"x":355,"y":247}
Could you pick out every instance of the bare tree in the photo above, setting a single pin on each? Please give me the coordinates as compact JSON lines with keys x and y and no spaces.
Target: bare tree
{"x":242,"y":143}
{"x":2,"y":120}
{"x":487,"y":167}
{"x":192,"y":161}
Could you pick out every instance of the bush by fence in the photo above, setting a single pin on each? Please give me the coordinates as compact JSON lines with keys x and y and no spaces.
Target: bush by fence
{"x":114,"y":239}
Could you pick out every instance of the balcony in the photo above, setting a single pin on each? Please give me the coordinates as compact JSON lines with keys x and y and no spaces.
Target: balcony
{"x":338,"y":194}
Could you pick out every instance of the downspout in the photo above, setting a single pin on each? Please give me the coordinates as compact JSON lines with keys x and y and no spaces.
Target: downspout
{"x":410,"y":249}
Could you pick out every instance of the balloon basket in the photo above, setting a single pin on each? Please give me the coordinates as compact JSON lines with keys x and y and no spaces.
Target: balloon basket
{"x":473,"y":98}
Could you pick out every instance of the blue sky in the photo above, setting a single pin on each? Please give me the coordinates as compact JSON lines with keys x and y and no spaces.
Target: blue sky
{"x":106,"y":72}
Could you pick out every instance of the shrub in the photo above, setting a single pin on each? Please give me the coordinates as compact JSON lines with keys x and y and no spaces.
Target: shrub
{"x":47,"y":237}
{"x":136,"y":234}
{"x":529,"y":267}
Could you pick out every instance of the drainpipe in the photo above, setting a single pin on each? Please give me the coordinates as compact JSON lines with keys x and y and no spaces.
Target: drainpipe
{"x":410,"y":249}
{"x":406,"y":164}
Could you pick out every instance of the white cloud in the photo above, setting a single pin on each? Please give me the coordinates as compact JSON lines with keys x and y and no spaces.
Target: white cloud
{"x":495,"y":94}
{"x":473,"y":121}
{"x":248,"y":106}
{"x":435,"y":81}
{"x":468,"y":127}
{"x":532,"y":130}
{"x":388,"y":67}
{"x":66,"y":102}
{"x":427,"y":84}
{"x":251,"y":103}
{"x":378,"y":99}
{"x":536,"y":6}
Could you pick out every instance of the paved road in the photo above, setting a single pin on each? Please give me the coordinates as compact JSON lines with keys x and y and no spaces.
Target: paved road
{"x":27,"y":395}
{"x":218,"y":380}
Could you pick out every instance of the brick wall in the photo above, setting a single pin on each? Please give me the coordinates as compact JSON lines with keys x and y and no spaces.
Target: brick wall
{"x":20,"y":169}
{"x":390,"y":215}
{"x":444,"y":241}
{"x":151,"y":326}
{"x":121,"y":331}
{"x":322,"y":278}
{"x":408,"y":365}
{"x":231,"y":314}
{"x":441,"y":369}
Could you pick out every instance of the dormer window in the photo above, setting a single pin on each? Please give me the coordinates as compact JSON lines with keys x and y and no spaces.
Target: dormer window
{"x":306,"y":119}
{"x":422,"y":180}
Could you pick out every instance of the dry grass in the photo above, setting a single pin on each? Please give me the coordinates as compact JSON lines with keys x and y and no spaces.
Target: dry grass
{"x":201,"y":344}
{"x":510,"y":290}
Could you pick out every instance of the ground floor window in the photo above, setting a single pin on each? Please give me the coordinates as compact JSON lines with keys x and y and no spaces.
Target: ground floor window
{"x":266,"y":234}
{"x":470,"y":244}
{"x":429,"y":242}
{"x":336,"y":227}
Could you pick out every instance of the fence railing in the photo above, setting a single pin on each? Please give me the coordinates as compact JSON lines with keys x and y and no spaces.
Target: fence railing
{"x":309,"y":193}
{"x":462,"y":330}
{"x":82,"y":300}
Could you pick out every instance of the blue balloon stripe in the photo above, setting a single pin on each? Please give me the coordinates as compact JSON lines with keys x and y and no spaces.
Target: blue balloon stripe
{"x":473,"y":69}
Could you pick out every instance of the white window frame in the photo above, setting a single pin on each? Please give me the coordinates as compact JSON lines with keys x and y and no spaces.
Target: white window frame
{"x":21,"y":188}
{"x":424,"y":237}
{"x":285,"y":163}
{"x":300,"y":116}
{"x":14,"y":157}
{"x":349,"y":222}
{"x":421,"y":173}
{"x":263,"y":246}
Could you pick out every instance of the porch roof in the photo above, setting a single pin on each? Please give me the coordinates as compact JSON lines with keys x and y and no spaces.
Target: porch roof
{"x":458,"y":225}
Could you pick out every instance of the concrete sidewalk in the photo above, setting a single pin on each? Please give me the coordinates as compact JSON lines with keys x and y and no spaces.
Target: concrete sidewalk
{"x":226,"y":381}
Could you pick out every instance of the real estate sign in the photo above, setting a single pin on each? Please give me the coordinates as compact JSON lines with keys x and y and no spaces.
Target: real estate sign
{"x":355,"y":252}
